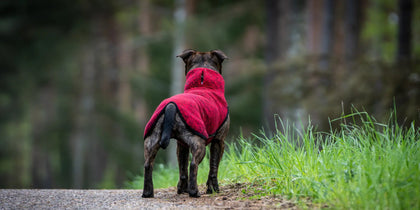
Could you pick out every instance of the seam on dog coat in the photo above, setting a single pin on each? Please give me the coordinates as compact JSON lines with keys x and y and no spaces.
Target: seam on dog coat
{"x":202,"y":106}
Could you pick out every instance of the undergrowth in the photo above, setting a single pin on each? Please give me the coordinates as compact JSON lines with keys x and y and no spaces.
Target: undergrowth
{"x":364,"y":164}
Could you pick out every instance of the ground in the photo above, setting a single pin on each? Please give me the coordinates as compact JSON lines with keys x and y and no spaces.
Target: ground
{"x":231,"y":197}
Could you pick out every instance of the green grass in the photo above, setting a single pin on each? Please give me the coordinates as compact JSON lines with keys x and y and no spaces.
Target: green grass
{"x":363,"y":165}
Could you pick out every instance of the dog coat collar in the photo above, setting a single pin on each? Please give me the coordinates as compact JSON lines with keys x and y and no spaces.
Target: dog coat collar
{"x":202,"y":106}
{"x":204,"y":78}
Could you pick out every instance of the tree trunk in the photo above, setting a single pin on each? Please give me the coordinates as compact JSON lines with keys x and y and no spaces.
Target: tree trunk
{"x":42,"y":117}
{"x":272,"y":53}
{"x":177,"y":71}
{"x":314,"y":14}
{"x":107,"y":66}
{"x":327,"y":34}
{"x":142,"y":59}
{"x":82,"y":133}
{"x":120,"y":90}
{"x":283,"y":29}
{"x":320,"y":42}
{"x":142,"y":68}
{"x":405,"y":14}
{"x":405,"y":102}
{"x":352,"y":29}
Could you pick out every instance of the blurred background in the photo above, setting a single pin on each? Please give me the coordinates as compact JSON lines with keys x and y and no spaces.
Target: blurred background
{"x":79,"y":79}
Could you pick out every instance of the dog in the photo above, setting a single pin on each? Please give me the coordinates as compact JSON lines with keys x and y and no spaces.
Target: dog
{"x":195,"y":118}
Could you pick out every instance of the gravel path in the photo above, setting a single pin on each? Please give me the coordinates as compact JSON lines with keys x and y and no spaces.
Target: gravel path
{"x":131,"y":199}
{"x":76,"y":199}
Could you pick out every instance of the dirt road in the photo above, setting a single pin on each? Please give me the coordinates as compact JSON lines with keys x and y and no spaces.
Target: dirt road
{"x":231,"y":197}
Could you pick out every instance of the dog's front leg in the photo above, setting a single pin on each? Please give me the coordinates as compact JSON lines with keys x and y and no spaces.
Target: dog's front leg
{"x":216,"y":153}
{"x":198,"y":150}
{"x":151,"y":147}
{"x":182,"y":152}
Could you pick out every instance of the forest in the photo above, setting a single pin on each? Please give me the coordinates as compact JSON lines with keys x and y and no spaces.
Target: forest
{"x":80,"y":79}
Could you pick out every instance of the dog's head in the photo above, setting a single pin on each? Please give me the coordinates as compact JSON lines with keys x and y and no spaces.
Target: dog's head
{"x":194,"y":59}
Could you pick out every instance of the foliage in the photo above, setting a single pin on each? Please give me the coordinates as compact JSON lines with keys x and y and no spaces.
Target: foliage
{"x":381,"y":17}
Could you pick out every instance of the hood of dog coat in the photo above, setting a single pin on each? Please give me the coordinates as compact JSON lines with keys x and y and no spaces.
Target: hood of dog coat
{"x":202,"y":106}
{"x":206,"y":79}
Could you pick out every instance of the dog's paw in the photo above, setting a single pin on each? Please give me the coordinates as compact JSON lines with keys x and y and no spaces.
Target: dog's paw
{"x":180,"y":191}
{"x":194,"y":194}
{"x":212,"y":186}
{"x":212,"y":190}
{"x":147,"y":195}
{"x":182,"y":186}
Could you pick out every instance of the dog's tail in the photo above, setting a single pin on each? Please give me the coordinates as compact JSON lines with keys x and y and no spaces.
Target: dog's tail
{"x":168,"y":124}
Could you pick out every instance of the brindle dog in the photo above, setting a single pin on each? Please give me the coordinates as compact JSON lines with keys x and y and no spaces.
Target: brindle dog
{"x":193,"y":59}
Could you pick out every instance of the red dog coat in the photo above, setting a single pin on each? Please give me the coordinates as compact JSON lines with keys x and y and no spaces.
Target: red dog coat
{"x":202,"y":106}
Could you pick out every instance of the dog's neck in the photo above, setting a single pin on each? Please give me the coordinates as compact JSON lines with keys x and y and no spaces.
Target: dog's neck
{"x":204,"y":78}
{"x":205,"y":66}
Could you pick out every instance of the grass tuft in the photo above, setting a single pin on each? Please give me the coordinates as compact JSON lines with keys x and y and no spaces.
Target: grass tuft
{"x":365,"y":165}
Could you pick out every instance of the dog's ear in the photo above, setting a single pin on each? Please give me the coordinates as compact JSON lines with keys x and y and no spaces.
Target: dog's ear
{"x":186,"y":54}
{"x":219,"y":54}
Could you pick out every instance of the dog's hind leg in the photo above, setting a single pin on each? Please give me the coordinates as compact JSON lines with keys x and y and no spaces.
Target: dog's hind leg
{"x":198,"y":150}
{"x":182,"y":152}
{"x":216,"y":152}
{"x":151,"y":147}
